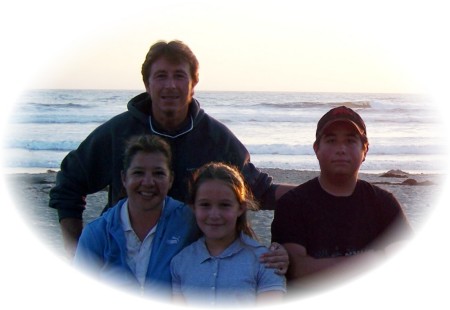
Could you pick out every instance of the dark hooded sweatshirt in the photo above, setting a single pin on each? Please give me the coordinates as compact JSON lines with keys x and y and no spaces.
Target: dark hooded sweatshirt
{"x":97,"y":162}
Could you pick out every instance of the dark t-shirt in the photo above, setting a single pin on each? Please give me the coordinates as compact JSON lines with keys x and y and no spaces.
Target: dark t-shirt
{"x":330,"y":226}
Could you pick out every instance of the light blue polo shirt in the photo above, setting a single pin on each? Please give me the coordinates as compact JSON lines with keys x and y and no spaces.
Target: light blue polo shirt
{"x":234,"y":277}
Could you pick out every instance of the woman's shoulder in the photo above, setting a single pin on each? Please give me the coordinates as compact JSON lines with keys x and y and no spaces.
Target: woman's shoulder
{"x":174,"y":205}
{"x":111,"y":215}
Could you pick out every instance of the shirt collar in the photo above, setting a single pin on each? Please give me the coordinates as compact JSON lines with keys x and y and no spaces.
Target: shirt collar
{"x":188,"y":128}
{"x":237,"y":245}
{"x":125,"y":216}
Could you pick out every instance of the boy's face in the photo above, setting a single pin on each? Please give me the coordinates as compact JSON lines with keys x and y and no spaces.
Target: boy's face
{"x":340,"y":150}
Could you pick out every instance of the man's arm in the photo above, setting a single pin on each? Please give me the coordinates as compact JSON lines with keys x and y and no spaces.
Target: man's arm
{"x":277,"y":258}
{"x":86,"y":170}
{"x":70,"y":204}
{"x":71,"y":231}
{"x":283,"y":189}
{"x":302,"y":265}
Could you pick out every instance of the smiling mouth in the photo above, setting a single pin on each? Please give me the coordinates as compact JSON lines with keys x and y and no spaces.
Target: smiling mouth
{"x":147,"y":194}
{"x":214,"y":225}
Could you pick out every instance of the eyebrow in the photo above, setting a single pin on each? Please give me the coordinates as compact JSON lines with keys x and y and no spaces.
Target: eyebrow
{"x":166,"y":71}
{"x":182,"y":71}
{"x":162,"y":167}
{"x":332,"y":134}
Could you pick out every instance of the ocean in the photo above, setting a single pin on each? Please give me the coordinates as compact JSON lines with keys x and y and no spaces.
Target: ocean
{"x":278,"y":128}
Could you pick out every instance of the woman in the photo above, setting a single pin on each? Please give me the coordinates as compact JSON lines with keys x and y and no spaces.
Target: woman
{"x":131,"y":245}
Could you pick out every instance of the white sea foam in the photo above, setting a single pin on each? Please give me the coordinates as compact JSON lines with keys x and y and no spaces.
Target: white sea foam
{"x":277,"y":128}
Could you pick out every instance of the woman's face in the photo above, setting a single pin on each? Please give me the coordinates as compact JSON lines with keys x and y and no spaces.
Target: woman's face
{"x":147,"y":181}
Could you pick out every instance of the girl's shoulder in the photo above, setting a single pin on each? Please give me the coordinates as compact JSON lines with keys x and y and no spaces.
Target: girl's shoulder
{"x":253,"y":245}
{"x":192,"y":252}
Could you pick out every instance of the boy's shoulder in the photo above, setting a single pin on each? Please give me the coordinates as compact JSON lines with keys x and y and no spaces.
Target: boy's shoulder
{"x":304,"y":188}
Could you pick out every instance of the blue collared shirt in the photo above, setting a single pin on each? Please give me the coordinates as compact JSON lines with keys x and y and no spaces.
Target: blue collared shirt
{"x":234,"y":277}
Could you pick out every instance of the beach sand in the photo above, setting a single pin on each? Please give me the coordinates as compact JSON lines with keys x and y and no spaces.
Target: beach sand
{"x":30,"y":196}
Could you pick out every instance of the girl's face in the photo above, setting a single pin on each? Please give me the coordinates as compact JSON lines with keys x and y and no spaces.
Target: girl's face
{"x":217,"y":209}
{"x":147,"y":181}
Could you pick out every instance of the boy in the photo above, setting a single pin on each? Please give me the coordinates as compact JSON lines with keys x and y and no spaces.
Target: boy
{"x":336,"y":217}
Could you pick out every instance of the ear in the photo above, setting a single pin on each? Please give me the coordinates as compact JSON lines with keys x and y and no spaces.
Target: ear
{"x":123,"y":176}
{"x":191,"y":206}
{"x":171,"y":179}
{"x":193,"y":90}
{"x":242,"y":208}
{"x":316,"y":147}
{"x":366,"y":149}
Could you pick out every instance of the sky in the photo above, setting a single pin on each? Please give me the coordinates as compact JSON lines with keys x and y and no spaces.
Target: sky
{"x":340,"y":46}
{"x":326,"y":46}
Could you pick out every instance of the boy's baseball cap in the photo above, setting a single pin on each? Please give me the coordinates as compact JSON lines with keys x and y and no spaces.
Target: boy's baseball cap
{"x":341,"y":113}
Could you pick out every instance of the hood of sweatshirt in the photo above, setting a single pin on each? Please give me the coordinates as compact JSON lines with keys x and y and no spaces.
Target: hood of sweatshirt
{"x":141,"y":106}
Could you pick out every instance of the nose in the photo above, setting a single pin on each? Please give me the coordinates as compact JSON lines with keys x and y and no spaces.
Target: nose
{"x":341,"y":148}
{"x":214,"y":213}
{"x":170,"y":82}
{"x":148,"y":180}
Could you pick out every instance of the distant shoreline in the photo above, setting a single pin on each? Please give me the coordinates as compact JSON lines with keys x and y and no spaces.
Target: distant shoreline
{"x":38,"y":170}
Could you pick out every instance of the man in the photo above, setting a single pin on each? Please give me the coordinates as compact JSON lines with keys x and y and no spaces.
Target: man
{"x":166,"y":109}
{"x":336,"y":217}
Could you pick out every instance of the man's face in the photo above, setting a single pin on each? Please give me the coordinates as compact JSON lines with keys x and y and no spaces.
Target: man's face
{"x":171,"y":88}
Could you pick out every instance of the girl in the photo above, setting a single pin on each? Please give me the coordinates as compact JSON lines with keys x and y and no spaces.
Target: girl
{"x":223,"y":266}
